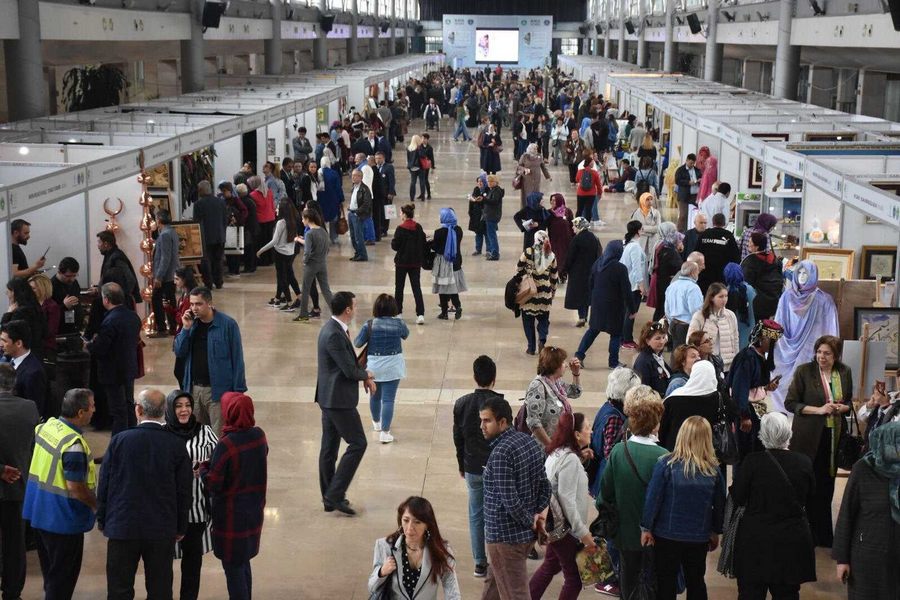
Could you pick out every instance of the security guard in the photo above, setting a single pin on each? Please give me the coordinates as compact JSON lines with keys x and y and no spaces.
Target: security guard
{"x":60,"y":496}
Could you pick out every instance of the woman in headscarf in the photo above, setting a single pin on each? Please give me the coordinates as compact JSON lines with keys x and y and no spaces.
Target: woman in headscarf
{"x":200,"y":441}
{"x":699,"y":396}
{"x":867,"y":535}
{"x":532,"y":218}
{"x":531,"y":167}
{"x":703,"y":155}
{"x":492,"y":147}
{"x":583,"y":252}
{"x":762,"y":271}
{"x":611,"y":302}
{"x":330,"y":197}
{"x":539,"y":262}
{"x":765,"y":223}
{"x":740,"y":301}
{"x":665,"y":264}
{"x":650,"y":220}
{"x":806,"y":313}
{"x":235,"y":478}
{"x":587,"y":136}
{"x":710,"y":176}
{"x":559,"y":226}
{"x":447,"y":277}
{"x":476,"y":210}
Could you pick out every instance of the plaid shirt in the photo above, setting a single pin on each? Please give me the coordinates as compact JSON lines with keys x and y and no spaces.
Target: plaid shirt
{"x":515,"y":488}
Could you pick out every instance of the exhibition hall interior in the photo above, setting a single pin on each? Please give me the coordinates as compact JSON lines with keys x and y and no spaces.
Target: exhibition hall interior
{"x":255,"y":343}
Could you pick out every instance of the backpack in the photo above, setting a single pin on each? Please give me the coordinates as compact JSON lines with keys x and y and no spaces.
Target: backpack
{"x":587,"y":180}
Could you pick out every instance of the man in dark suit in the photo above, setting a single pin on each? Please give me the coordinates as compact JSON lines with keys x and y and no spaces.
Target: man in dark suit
{"x":366,"y":145}
{"x":143,"y":501}
{"x":337,"y":393}
{"x":212,"y":214}
{"x":385,"y":148}
{"x":379,"y":198}
{"x":115,"y":347}
{"x":116,"y":268}
{"x":389,"y":176}
{"x":687,"y":178}
{"x":31,"y":380}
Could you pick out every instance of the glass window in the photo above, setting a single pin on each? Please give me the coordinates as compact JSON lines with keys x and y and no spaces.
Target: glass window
{"x":384,"y":8}
{"x":364,"y":6}
{"x":336,"y":4}
{"x":570,"y":46}
{"x":433,"y":45}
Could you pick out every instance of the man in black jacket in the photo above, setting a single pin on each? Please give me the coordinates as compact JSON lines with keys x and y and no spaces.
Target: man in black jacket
{"x":212,"y":214}
{"x":692,"y":237}
{"x":428,"y":149}
{"x":116,"y":268}
{"x":687,"y":178}
{"x":472,"y":452}
{"x":31,"y":380}
{"x":359,"y":209}
{"x":719,"y":248}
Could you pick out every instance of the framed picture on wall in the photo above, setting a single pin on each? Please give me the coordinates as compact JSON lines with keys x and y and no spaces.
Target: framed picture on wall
{"x":190,"y":241}
{"x":878,"y":262}
{"x":884,"y":326}
{"x":831,"y":136}
{"x":833,"y":263}
{"x":755,"y":179}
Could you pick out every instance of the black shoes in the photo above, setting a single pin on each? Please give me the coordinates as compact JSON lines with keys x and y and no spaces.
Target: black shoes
{"x":342,"y":507}
{"x":442,"y":316}
{"x":458,"y":313}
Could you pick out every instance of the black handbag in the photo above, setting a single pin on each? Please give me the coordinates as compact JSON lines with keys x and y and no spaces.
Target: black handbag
{"x":849,"y":446}
{"x":725,"y":438}
{"x":606,"y":525}
{"x":646,"y":583}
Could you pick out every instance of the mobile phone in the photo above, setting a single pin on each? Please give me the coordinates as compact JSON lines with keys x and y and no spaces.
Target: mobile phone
{"x":44,"y":255}
{"x":189,"y":314}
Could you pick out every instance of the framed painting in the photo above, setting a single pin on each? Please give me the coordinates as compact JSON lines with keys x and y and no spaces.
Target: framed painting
{"x":190,"y":241}
{"x":884,"y":326}
{"x":833,"y":263}
{"x":755,"y":179}
{"x":878,"y":262}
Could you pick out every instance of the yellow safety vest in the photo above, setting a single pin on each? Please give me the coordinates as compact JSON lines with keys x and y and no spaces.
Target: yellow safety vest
{"x":51,"y":440}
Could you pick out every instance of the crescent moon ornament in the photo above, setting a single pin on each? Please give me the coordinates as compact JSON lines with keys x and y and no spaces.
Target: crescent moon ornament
{"x":111,"y":224}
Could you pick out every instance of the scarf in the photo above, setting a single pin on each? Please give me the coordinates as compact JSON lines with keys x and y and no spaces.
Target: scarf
{"x":448,"y":220}
{"x":543,"y":256}
{"x":187,"y":430}
{"x":482,"y":182}
{"x":409,"y":224}
{"x":237,"y":412}
{"x":702,"y":381}
{"x":585,"y":125}
{"x":646,"y":203}
{"x":801,"y":298}
{"x":765,"y":222}
{"x":737,"y":293}
{"x":581,"y":224}
{"x":560,"y":201}
{"x":884,"y":457}
{"x":611,"y":255}
{"x":559,"y":389}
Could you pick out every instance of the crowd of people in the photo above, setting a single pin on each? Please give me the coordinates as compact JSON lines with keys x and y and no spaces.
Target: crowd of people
{"x":739,"y":366}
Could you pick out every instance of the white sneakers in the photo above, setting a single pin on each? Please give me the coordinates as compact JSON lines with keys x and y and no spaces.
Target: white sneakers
{"x":420,"y":320}
{"x":376,"y":425}
{"x":385,"y":437}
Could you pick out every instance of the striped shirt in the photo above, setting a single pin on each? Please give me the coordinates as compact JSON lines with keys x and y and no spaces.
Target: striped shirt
{"x":200,"y":449}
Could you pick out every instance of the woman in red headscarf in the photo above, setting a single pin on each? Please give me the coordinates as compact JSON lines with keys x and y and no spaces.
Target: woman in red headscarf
{"x":235,"y":479}
{"x":559,"y":226}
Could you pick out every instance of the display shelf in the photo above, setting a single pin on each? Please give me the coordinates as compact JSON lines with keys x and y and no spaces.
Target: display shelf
{"x":785,"y":194}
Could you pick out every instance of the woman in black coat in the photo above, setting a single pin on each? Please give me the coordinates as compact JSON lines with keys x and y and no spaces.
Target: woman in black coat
{"x":762,"y":270}
{"x":650,"y":365}
{"x":698,"y":397}
{"x":774,"y":551}
{"x":535,"y":215}
{"x":476,"y":210}
{"x":584,"y":250}
{"x":611,"y":300}
{"x":492,"y":145}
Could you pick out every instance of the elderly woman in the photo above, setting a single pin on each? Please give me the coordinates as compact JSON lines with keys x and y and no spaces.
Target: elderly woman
{"x":530,"y":168}
{"x":774,"y":552}
{"x":538,"y":262}
{"x":820,"y":394}
{"x":624,"y":483}
{"x":547,"y":396}
{"x":584,"y":250}
{"x":447,"y":277}
{"x":532,"y":218}
{"x":867,"y":536}
{"x":609,"y":422}
{"x":764,"y":225}
{"x":665,"y":263}
{"x":683,"y":359}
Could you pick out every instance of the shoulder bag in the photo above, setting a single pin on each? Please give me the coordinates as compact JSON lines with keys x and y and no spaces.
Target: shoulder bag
{"x":527,"y":289}
{"x":724,"y":437}
{"x":342,"y":225}
{"x":517,"y":182}
{"x":606,"y":525}
{"x":849,"y":446}
{"x":558,"y":525}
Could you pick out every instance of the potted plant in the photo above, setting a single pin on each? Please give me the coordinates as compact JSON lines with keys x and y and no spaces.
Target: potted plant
{"x":93,"y":87}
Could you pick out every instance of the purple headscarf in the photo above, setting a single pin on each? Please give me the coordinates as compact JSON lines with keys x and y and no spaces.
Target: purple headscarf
{"x":765,"y":222}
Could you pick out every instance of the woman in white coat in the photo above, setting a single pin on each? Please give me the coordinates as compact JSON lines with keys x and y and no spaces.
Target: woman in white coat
{"x":719,"y":323}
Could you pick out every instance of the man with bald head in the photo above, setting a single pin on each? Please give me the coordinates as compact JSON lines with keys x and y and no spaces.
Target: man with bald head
{"x":683,"y":299}
{"x":143,"y":501}
{"x":692,"y":236}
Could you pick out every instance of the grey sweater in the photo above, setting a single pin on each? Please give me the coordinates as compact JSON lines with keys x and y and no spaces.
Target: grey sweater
{"x":315,"y":247}
{"x":165,"y":255}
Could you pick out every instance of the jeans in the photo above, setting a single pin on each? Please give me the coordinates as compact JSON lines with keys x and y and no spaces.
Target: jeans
{"x":615,"y":342}
{"x":356,"y":235}
{"x":490,"y":238}
{"x":691,"y":557}
{"x":542,"y":321}
{"x":476,"y":517}
{"x":462,"y":131}
{"x":560,"y":557}
{"x":332,"y":230}
{"x":415,"y":275}
{"x":583,"y":312}
{"x":595,"y":209}
{"x":381,"y":403}
{"x":285,"y":280}
{"x":414,"y":176}
{"x":12,"y":537}
{"x":166,"y":291}
{"x":628,"y":327}
{"x":584,"y":206}
{"x":239,"y":580}
{"x":479,"y":242}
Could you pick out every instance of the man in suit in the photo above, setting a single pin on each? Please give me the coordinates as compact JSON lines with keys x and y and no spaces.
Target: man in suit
{"x":116,"y":268}
{"x":385,"y":148}
{"x":212,"y":214}
{"x":367,"y":145}
{"x":379,"y":198}
{"x":115,"y":347}
{"x":146,"y":467}
{"x":337,"y":393}
{"x":687,"y":178}
{"x":390,"y":184}
{"x":31,"y":380}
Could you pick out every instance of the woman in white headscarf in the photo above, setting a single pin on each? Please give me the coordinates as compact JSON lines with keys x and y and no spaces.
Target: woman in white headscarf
{"x":539,"y":262}
{"x":699,"y":396}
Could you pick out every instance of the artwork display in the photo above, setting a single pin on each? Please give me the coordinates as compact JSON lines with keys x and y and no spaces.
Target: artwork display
{"x":190,"y":241}
{"x":884,"y":326}
{"x":755,"y":180}
{"x":878,"y":262}
{"x":833,"y":263}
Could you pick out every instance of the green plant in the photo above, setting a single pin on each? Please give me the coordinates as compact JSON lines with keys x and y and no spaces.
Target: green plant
{"x":93,"y":87}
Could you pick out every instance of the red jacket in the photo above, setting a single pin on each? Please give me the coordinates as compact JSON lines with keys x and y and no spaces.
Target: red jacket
{"x":265,"y":206}
{"x":596,"y":190}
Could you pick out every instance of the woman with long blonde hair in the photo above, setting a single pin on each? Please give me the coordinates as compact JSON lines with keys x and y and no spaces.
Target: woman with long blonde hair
{"x":414,"y":155}
{"x":684,"y":510}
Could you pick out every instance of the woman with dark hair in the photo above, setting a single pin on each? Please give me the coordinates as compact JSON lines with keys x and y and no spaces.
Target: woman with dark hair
{"x":635,"y":261}
{"x":532,"y":218}
{"x":683,"y":359}
{"x":547,"y":396}
{"x":665,"y":263}
{"x":409,"y":245}
{"x":283,"y":243}
{"x":719,"y":323}
{"x":764,"y":225}
{"x":476,"y":210}
{"x":650,"y":364}
{"x":820,"y":394}
{"x":762,"y":272}
{"x":583,"y":252}
{"x":24,"y":306}
{"x":412,"y":560}
{"x":569,"y":485}
{"x":740,"y":301}
{"x":235,"y":479}
{"x":200,"y":441}
{"x":382,"y":335}
{"x":447,"y":277}
{"x":315,"y":267}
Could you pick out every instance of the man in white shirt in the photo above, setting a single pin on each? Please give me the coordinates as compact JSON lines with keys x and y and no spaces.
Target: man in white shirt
{"x":362,"y":165}
{"x":718,"y":203}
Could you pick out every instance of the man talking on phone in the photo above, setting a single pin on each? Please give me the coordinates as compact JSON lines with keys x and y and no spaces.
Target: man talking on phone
{"x":20,"y":232}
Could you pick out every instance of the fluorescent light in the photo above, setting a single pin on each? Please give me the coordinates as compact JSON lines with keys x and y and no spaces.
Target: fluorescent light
{"x":840,"y":137}
{"x":73,"y":141}
{"x":150,"y":121}
{"x":24,"y":150}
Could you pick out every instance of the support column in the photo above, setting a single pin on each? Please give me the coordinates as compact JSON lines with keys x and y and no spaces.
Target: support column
{"x":25,"y":95}
{"x":712,"y":66}
{"x":320,"y":44}
{"x":272,"y":46}
{"x":392,"y":42}
{"x":353,"y":40}
{"x":375,"y":44}
{"x":622,"y":44}
{"x":642,"y":58}
{"x":405,"y":26}
{"x":670,"y":50}
{"x":193,"y":64}
{"x":787,"y":57}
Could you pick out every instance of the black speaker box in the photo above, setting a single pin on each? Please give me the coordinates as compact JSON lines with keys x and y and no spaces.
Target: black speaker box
{"x":599,"y":28}
{"x":895,"y":13}
{"x":694,"y":23}
{"x":212,"y":14}
{"x":629,"y":27}
{"x":385,"y":26}
{"x":326,"y":22}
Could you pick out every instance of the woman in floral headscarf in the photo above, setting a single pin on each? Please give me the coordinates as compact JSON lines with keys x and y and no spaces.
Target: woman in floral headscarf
{"x":764,"y":225}
{"x":539,"y":262}
{"x":559,"y":226}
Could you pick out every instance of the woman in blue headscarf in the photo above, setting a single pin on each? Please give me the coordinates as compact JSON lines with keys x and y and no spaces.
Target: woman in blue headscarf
{"x":611,"y":302}
{"x":740,"y":301}
{"x":447,"y":278}
{"x":585,"y":132}
{"x":532,"y":218}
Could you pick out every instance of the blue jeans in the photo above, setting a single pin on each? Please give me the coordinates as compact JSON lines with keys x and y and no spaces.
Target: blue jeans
{"x":490,"y":238}
{"x":462,"y":131}
{"x":357,"y":236}
{"x":239,"y":580}
{"x":542,"y":320}
{"x":615,"y":342}
{"x":595,"y":209}
{"x":479,"y":242}
{"x":381,"y":403}
{"x":476,"y":517}
{"x":369,"y":229}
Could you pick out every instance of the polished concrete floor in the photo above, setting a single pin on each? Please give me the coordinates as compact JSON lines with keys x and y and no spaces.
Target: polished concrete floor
{"x":309,"y":554}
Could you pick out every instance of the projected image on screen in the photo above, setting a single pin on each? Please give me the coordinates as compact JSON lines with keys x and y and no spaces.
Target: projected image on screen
{"x":497,"y":45}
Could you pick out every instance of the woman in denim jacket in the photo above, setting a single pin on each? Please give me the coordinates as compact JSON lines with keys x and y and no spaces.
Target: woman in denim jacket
{"x":684,"y":510}
{"x":383,"y":334}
